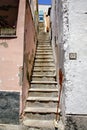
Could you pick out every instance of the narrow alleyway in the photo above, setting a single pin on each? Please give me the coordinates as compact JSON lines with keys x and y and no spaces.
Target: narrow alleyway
{"x":41,"y":104}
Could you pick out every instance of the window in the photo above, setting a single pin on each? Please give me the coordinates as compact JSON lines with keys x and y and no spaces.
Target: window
{"x":41,"y":16}
{"x":8,"y":17}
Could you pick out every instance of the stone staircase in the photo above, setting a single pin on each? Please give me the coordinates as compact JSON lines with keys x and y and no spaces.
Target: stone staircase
{"x":41,"y":104}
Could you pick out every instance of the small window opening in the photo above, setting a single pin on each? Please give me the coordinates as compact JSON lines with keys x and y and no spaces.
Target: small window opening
{"x":8,"y":17}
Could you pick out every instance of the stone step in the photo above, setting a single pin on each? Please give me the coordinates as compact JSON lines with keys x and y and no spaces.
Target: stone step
{"x":43,"y":93}
{"x":43,"y":82}
{"x":41,"y":50}
{"x":40,"y":124}
{"x":46,"y":86}
{"x":45,"y":60}
{"x":43,"y":69}
{"x":40,"y":116}
{"x":40,"y":110}
{"x":42,"y":90}
{"x":44,"y":53}
{"x":44,"y":45}
{"x":44,"y":73}
{"x":44,"y":64}
{"x":47,"y":42}
{"x":44,"y":76}
{"x":43,"y":41}
{"x":43,"y":99}
{"x":43,"y":57}
{"x":41,"y":103}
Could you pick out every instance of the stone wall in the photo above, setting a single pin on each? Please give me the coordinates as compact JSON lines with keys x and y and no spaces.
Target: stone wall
{"x":9,"y":107}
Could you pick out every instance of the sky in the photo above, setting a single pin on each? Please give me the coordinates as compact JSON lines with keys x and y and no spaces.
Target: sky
{"x":48,"y":2}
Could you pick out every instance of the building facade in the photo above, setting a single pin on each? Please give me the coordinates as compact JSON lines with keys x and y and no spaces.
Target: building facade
{"x":17,"y":51}
{"x":43,"y":9}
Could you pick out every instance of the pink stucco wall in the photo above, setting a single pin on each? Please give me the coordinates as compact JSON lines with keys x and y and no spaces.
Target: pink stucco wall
{"x":11,"y":56}
{"x":29,"y":51}
{"x":16,"y":53}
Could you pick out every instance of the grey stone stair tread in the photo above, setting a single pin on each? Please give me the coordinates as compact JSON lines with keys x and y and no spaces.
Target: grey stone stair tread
{"x":44,"y":53}
{"x":42,"y":69}
{"x":42,"y":65}
{"x":43,"y":75}
{"x":44,"y":45}
{"x":44,"y":41}
{"x":44,"y":48}
{"x":40,"y":110}
{"x":42,"y":90}
{"x":44,"y":57}
{"x":37,"y":60}
{"x":46,"y":99}
{"x":39,"y":123}
{"x":45,"y":63}
{"x":43,"y":82}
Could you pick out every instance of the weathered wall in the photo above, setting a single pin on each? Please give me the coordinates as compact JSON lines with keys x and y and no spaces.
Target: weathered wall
{"x":11,"y":60}
{"x":76,"y":70}
{"x":75,"y":84}
{"x":16,"y":62}
{"x":54,"y":28}
{"x":29,"y":51}
{"x":9,"y":107}
{"x":72,"y":26}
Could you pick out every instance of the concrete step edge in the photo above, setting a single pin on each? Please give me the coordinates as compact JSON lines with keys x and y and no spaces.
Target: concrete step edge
{"x":42,"y":90}
{"x":44,"y":50}
{"x":44,"y":53}
{"x":44,"y":57}
{"x":43,"y":75}
{"x":43,"y":99}
{"x":43,"y":70}
{"x":41,"y":60}
{"x":43,"y":82}
{"x":40,"y":110}
{"x":39,"y":123}
{"x":45,"y":65}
